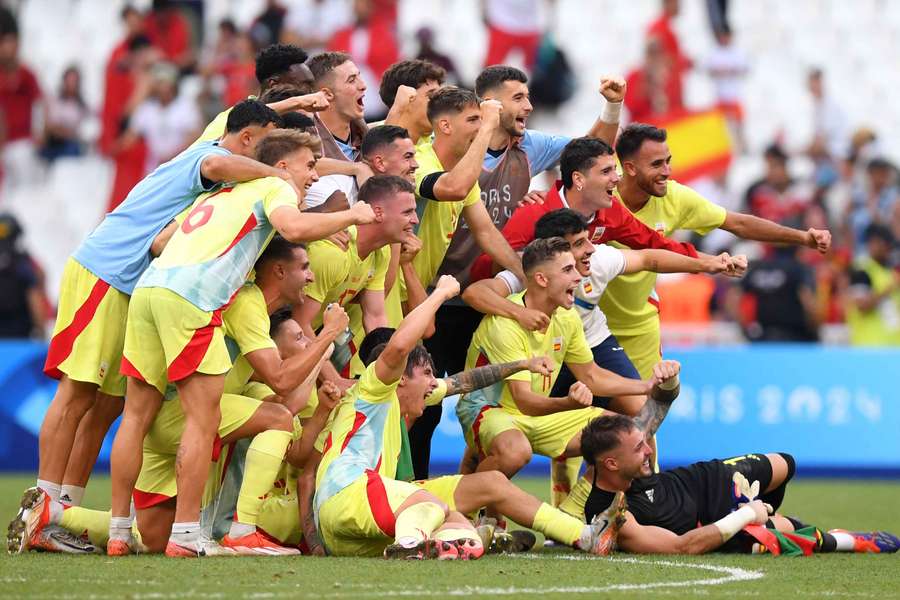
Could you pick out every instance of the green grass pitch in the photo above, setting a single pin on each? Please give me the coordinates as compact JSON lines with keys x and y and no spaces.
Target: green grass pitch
{"x":540,"y":574}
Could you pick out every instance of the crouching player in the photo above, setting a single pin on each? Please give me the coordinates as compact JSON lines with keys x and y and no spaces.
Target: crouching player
{"x":707,"y":506}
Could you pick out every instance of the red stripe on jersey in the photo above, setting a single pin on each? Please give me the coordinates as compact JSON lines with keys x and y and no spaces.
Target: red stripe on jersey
{"x":482,"y":360}
{"x":327,"y":445}
{"x":357,"y":423}
{"x":62,"y":342}
{"x":345,"y":372}
{"x":144,"y":500}
{"x":188,"y":361}
{"x":379,"y":505}
{"x":247,"y":228}
{"x":129,"y":370}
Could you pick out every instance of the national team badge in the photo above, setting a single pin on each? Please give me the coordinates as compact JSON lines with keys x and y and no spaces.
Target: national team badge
{"x":557,"y":344}
{"x":103,"y":367}
{"x":598,"y":233}
{"x":588,"y":288}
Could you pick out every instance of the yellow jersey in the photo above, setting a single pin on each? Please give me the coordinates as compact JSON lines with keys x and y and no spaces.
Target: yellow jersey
{"x":626,"y":303}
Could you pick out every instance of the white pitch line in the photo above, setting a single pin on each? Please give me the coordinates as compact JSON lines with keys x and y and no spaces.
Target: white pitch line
{"x":730,"y":575}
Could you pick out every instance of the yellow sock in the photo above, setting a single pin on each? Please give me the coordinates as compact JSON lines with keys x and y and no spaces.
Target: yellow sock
{"x":557,"y":525}
{"x":577,"y":498}
{"x":95,"y":523}
{"x":264,"y":458}
{"x":563,"y":471}
{"x":418,"y":522}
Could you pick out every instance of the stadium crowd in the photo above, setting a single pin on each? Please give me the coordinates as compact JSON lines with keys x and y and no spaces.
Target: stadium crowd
{"x":293,"y":290}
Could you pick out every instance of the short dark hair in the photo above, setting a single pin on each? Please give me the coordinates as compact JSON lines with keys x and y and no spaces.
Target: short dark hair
{"x":295,"y":120}
{"x":278,"y":249}
{"x":250,"y":112}
{"x":379,"y":336}
{"x":633,"y":137}
{"x":495,"y":76}
{"x":559,"y":223}
{"x":419,"y":357}
{"x":279,"y":318}
{"x":279,"y":143}
{"x":383,"y":187}
{"x":381,"y":136}
{"x":408,"y":72}
{"x":450,"y":99}
{"x":323,"y":64}
{"x":579,"y":155}
{"x":277,"y":59}
{"x":877,"y":230}
{"x":602,"y":435}
{"x":540,"y":251}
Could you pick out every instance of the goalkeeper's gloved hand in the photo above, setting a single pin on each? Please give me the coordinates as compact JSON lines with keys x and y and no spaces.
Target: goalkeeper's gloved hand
{"x":744,"y":492}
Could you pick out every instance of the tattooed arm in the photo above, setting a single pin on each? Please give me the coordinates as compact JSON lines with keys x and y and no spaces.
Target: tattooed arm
{"x":481,"y":377}
{"x":661,"y":397}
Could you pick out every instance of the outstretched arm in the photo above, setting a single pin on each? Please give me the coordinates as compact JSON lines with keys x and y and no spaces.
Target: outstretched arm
{"x":299,"y":227}
{"x":750,"y":227}
{"x":482,"y":377}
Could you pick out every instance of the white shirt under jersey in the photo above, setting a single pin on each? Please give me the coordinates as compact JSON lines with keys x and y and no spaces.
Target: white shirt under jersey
{"x":607,"y":263}
{"x":321,"y":190}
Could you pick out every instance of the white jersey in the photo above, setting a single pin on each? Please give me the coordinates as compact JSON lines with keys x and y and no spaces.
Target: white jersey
{"x":607,"y":263}
{"x":322,"y":190}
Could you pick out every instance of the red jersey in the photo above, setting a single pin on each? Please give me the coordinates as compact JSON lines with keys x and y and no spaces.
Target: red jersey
{"x":19,"y":91}
{"x":613,"y":224}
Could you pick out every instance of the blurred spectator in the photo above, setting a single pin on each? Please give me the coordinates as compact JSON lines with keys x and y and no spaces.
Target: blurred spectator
{"x":777,"y":197}
{"x":371,"y":43}
{"x":427,"y":51}
{"x":782,"y":294}
{"x":23,"y":311}
{"x":127,"y":65}
{"x":267,"y":27}
{"x":63,"y":116}
{"x":727,"y":65}
{"x":311,"y":24}
{"x":830,"y":131}
{"x":19,"y":96}
{"x":873,"y":301}
{"x":170,"y":31}
{"x":652,"y":87}
{"x":512,"y":25}
{"x":240,"y":74}
{"x":717,"y":11}
{"x":167,"y":121}
{"x":661,"y":31}
{"x":875,"y":201}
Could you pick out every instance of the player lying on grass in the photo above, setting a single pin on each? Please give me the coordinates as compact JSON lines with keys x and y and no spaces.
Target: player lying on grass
{"x":360,"y":505}
{"x":716,"y":505}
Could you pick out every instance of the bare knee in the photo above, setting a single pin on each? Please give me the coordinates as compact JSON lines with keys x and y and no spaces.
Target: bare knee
{"x":783,"y":468}
{"x":276,"y":416}
{"x":512,"y":454}
{"x":75,"y":398}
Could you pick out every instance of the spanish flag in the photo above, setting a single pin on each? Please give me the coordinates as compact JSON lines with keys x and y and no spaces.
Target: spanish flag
{"x":699,"y":141}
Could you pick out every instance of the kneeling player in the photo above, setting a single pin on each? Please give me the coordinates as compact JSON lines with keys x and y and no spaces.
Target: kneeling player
{"x":706,"y":506}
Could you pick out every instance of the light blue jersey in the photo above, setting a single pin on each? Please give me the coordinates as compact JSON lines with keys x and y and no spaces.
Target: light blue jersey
{"x":543,"y":151}
{"x":118,"y":250}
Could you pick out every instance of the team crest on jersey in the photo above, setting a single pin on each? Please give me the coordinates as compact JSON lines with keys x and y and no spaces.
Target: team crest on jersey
{"x":588,"y":288}
{"x":103,"y":367}
{"x":557,"y":344}
{"x":598,"y":233}
{"x":649,"y":495}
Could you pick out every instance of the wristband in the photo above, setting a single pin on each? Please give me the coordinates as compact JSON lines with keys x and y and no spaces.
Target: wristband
{"x":728,"y":526}
{"x":611,"y":112}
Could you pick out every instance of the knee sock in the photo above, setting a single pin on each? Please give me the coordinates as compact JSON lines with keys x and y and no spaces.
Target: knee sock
{"x":264,"y":458}
{"x":574,"y":503}
{"x":417,"y":523}
{"x":71,"y":495}
{"x":563,"y":472}
{"x":80,"y":521}
{"x":557,"y":525}
{"x":53,"y":489}
{"x":776,"y":496}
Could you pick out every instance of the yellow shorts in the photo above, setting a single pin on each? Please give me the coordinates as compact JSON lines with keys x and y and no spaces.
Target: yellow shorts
{"x":444,"y":488}
{"x":549,"y":435}
{"x":168,"y":339}
{"x":156,"y":481}
{"x":90,"y":331}
{"x":279,"y":518}
{"x":257,"y":390}
{"x":643,"y":349}
{"x":359,"y":520}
